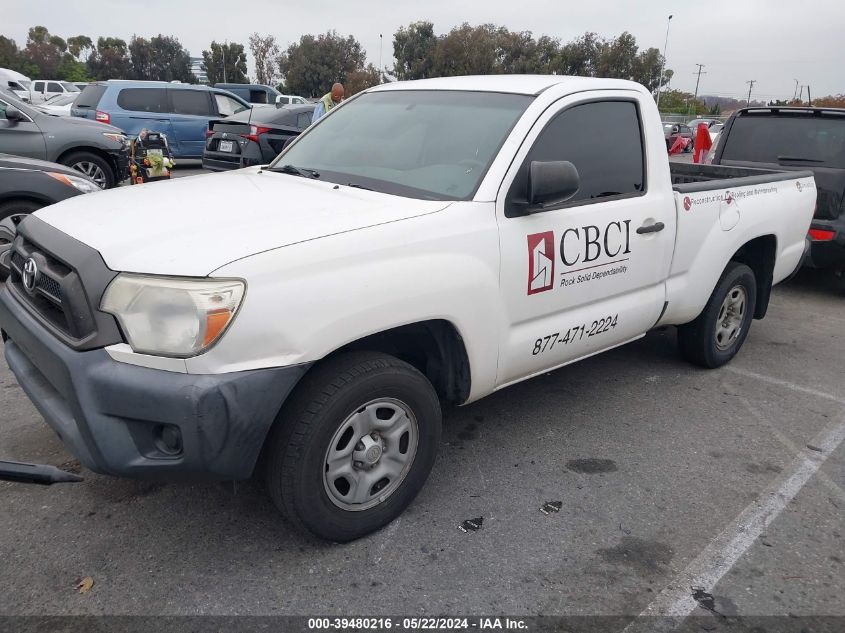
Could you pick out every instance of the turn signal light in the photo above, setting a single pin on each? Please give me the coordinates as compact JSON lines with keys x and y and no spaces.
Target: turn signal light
{"x":822,"y":235}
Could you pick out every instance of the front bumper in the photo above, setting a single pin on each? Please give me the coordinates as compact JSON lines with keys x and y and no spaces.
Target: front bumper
{"x":120,"y":160}
{"x":113,"y":416}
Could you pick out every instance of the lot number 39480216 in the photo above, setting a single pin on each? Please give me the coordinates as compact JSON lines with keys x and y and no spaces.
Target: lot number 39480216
{"x":600,"y":326}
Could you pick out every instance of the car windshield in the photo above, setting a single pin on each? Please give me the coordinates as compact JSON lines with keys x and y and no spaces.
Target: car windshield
{"x":69,"y":86}
{"x":787,"y":138}
{"x":415,"y":143}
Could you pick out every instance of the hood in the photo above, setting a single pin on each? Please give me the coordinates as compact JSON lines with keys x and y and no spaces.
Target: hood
{"x":194,"y":225}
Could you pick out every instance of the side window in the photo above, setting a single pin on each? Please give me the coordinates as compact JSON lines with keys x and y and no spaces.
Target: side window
{"x":194,"y":102}
{"x":303,"y":120}
{"x":52,"y":86}
{"x":257,"y":96}
{"x":38,"y":86}
{"x":602,"y":139}
{"x":226,"y":105}
{"x":3,"y":110}
{"x":143,"y":99}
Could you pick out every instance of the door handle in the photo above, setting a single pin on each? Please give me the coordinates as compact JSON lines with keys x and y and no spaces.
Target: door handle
{"x":651,"y":228}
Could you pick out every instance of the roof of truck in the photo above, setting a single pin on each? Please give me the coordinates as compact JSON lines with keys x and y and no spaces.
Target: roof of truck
{"x":518,"y":84}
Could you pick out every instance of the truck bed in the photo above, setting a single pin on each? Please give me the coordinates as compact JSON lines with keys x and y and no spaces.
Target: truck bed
{"x":691,"y":178}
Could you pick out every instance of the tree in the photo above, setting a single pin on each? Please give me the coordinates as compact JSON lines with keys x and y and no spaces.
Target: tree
{"x":581,"y":56}
{"x":831,"y":101}
{"x":359,"y":80}
{"x":80,"y":46}
{"x":235,"y":59}
{"x":110,"y":60}
{"x":10,"y":56}
{"x":681,"y":102}
{"x":72,"y":70}
{"x":468,"y":50}
{"x":413,"y":48}
{"x":44,"y":51}
{"x":313,"y":64}
{"x":646,"y":69}
{"x":265,"y":52}
{"x":618,"y":57}
{"x":161,"y":58}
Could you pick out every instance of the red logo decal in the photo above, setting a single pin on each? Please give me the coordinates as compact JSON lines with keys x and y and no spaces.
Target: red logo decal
{"x":541,"y":262}
{"x":687,"y":203}
{"x":728,"y":197}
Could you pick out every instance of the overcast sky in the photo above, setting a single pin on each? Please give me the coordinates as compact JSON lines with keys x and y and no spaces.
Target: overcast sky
{"x":773,"y":42}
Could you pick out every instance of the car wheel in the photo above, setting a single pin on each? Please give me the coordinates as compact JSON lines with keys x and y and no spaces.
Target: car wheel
{"x":16,"y":207}
{"x":718,"y":333}
{"x":93,"y":166}
{"x":353,"y":446}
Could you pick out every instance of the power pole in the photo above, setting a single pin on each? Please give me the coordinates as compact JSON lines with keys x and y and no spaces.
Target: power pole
{"x":380,"y":70}
{"x":809,"y":98}
{"x":697,"y":81}
{"x":795,"y":93}
{"x":750,"y":86}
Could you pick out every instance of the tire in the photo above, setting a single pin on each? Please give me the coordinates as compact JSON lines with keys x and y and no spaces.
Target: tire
{"x":13,"y":207}
{"x":716,"y":336}
{"x":95,"y":167}
{"x":326,"y":415}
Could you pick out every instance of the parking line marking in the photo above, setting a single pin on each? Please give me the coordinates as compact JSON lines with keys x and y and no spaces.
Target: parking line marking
{"x":784,"y":383}
{"x":834,"y":487}
{"x":675,"y":602}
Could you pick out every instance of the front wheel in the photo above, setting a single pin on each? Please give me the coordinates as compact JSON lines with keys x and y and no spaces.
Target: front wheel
{"x":95,"y":167}
{"x":718,"y":333}
{"x":354,"y":446}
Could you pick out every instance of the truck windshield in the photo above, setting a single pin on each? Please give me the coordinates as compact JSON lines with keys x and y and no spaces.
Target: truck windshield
{"x":414,"y":143}
{"x":787,"y":138}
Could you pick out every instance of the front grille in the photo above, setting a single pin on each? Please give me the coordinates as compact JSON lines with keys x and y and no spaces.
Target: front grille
{"x":66,"y":291}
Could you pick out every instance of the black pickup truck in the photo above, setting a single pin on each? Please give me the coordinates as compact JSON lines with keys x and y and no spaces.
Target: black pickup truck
{"x":797,"y":138}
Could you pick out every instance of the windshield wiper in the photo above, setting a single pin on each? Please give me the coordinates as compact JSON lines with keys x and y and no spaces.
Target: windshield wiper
{"x":297,"y":171}
{"x":357,"y":186}
{"x":799,"y":159}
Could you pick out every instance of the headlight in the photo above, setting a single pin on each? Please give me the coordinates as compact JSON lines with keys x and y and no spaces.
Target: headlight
{"x":116,"y":136}
{"x":82,"y":184}
{"x":170,"y":316}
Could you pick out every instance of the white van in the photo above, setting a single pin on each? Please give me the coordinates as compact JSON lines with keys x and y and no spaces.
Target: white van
{"x":16,"y":82}
{"x":43,"y":89}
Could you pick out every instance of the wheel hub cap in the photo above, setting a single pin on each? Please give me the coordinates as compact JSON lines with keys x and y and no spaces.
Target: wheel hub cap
{"x":731,"y":317}
{"x":370,"y":454}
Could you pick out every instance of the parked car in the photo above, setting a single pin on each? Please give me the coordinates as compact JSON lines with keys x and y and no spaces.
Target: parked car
{"x":59,"y":105}
{"x":99,"y":151}
{"x":256,"y":94}
{"x":43,"y":89}
{"x":253,"y":137}
{"x":673,"y":130}
{"x":16,"y":82}
{"x":290,"y":100}
{"x":427,"y":242}
{"x":180,"y":111}
{"x":796,"y":139}
{"x":27,"y":184}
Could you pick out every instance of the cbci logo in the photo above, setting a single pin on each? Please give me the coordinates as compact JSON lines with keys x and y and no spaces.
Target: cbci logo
{"x":541,"y":262}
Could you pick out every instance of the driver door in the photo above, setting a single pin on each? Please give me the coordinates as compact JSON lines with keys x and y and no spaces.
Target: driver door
{"x":586,"y":274}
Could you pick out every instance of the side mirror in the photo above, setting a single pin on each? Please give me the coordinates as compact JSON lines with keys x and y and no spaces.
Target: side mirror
{"x":551,"y":183}
{"x":13,"y":114}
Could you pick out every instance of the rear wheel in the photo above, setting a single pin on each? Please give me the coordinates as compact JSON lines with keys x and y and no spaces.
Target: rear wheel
{"x":95,"y":167}
{"x":718,"y":333}
{"x":355,"y":445}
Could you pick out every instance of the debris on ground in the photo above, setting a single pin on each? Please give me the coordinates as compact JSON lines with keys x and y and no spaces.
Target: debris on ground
{"x":471,"y":525}
{"x":551,"y":506}
{"x":84,"y":584}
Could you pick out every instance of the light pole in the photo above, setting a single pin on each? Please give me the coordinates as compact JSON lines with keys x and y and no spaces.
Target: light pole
{"x":663,"y":60}
{"x":380,"y":72}
{"x":223,"y":52}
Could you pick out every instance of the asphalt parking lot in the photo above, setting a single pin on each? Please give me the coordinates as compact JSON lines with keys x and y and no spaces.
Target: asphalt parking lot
{"x":661,"y":470}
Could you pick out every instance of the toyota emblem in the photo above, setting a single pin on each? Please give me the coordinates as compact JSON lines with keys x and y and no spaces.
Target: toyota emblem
{"x":30,"y":274}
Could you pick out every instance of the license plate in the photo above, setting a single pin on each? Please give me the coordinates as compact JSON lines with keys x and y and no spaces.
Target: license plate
{"x":226,"y":146}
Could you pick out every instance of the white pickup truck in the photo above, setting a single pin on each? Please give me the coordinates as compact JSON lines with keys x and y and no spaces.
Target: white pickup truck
{"x":426,"y":242}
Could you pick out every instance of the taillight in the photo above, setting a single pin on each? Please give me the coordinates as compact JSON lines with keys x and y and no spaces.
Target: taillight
{"x":102,"y":117}
{"x":822,"y":235}
{"x":209,"y":133}
{"x":255,"y":131}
